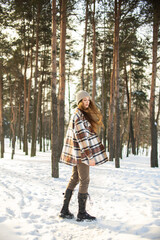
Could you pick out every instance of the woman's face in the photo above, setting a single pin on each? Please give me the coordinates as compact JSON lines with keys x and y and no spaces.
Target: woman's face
{"x":86,"y":102}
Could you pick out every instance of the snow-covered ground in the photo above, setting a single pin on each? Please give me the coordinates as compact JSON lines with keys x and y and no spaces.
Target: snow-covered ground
{"x":126,"y":201}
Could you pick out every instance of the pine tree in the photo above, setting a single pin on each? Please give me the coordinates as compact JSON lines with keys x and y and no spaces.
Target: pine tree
{"x":84,"y":47}
{"x":117,"y":110}
{"x":153,"y":123}
{"x":54,"y":119}
{"x":61,"y":97}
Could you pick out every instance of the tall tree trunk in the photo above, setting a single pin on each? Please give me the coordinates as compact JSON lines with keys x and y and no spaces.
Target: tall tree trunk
{"x":117,"y":110}
{"x":122,"y":129}
{"x":54,"y":120}
{"x":111,"y":112}
{"x":104,"y":90}
{"x":128,"y":102}
{"x":1,"y":114}
{"x":61,"y":96}
{"x":28,"y":97}
{"x":44,"y":120}
{"x":132,"y":136}
{"x":26,"y":56}
{"x":136,"y":134}
{"x":104,"y":100}
{"x":41,"y":105}
{"x":34,"y":114}
{"x":130,"y":121}
{"x":13,"y":93}
{"x":94,"y":53}
{"x":19,"y":105}
{"x":69,"y":89}
{"x":38,"y":114}
{"x":129,"y":110}
{"x":19,"y":125}
{"x":153,"y":123}
{"x":40,"y":125}
{"x":157,"y":118}
{"x":84,"y":47}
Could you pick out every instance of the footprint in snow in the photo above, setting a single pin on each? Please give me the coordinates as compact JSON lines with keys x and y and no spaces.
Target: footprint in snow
{"x":2,"y":219}
{"x":10,"y":212}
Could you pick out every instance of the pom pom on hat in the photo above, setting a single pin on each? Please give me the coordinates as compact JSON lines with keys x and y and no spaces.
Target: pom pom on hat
{"x":80,"y":95}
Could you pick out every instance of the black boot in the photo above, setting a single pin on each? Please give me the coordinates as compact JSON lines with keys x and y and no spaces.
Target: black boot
{"x":82,"y":214}
{"x":65,"y":213}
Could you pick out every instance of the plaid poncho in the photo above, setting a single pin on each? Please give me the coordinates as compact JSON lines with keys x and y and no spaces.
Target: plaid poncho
{"x":81,"y":143}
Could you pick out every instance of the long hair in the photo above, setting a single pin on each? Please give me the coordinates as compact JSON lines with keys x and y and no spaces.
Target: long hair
{"x":93,"y":115}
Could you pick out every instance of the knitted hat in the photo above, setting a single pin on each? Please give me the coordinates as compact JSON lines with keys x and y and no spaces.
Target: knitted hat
{"x":80,"y":95}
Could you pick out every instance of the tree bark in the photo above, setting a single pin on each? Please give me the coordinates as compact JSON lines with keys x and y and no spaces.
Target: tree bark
{"x":130,"y":121}
{"x":111,"y":111}
{"x":122,"y":129}
{"x":28,"y":97}
{"x":104,"y":100}
{"x":26,"y":56}
{"x":104,"y":90}
{"x":41,"y":105}
{"x":84,"y":47}
{"x":136,"y":135}
{"x":1,"y":115}
{"x":117,"y":110}
{"x":61,"y":97}
{"x":153,"y":123}
{"x":19,"y":117}
{"x":19,"y":134}
{"x":13,"y":93}
{"x":38,"y":112}
{"x":69,"y":89}
{"x":94,"y":53}
{"x":44,"y":120}
{"x":34,"y":114}
{"x":54,"y":120}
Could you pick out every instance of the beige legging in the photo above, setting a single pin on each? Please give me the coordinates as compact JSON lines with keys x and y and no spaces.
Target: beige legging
{"x":80,"y":174}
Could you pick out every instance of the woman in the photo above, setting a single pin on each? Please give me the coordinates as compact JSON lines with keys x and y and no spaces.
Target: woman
{"x":82,"y":148}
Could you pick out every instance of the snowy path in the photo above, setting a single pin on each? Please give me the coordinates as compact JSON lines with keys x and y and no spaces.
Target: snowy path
{"x":126,"y":201}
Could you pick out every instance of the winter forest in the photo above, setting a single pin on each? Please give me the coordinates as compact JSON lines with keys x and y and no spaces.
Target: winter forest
{"x":51,"y":49}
